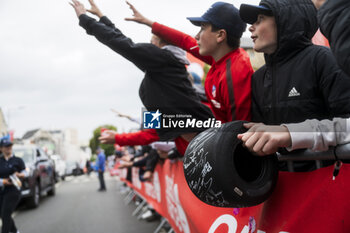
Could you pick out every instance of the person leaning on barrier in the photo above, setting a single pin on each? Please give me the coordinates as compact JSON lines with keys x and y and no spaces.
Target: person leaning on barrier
{"x":227,"y":85}
{"x":313,"y":134}
{"x":146,"y":158}
{"x":151,"y":154}
{"x":299,"y":81}
{"x":165,"y":86}
{"x":10,"y":165}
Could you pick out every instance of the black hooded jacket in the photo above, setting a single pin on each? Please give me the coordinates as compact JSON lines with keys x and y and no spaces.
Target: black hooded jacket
{"x":334,"y":20}
{"x":300,"y":80}
{"x":165,"y":87}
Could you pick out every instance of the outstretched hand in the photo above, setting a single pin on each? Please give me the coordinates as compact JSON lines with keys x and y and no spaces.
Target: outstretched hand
{"x":108,"y":137}
{"x":138,"y":18}
{"x":125,"y":165}
{"x":265,"y":139}
{"x":78,"y":7}
{"x":94,"y":9}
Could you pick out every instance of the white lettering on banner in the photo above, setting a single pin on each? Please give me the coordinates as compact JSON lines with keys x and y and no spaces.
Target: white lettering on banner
{"x":156,"y":185}
{"x":135,"y":178}
{"x":231,"y":222}
{"x":175,"y":209}
{"x":124,"y":173}
{"x":153,"y":189}
{"x":245,"y":229}
{"x":227,"y":219}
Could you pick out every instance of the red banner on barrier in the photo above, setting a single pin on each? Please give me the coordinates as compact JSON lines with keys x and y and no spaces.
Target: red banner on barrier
{"x":302,"y":202}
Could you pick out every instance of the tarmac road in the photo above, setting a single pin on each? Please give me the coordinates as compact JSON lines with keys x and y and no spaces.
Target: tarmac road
{"x":77,"y":207}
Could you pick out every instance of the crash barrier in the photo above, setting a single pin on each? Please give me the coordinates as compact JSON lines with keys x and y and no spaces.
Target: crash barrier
{"x":223,"y":173}
{"x":301,"y":202}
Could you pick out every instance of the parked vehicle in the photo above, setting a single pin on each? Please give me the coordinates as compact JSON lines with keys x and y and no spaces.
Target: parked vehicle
{"x":60,"y":166}
{"x":41,"y":174}
{"x":73,"y":168}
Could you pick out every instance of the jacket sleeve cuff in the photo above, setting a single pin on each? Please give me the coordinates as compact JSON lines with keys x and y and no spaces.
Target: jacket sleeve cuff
{"x":84,"y":20}
{"x":104,"y":19}
{"x":1,"y":183}
{"x":156,"y":27}
{"x":117,"y":138}
{"x":301,"y":134}
{"x":25,"y":173}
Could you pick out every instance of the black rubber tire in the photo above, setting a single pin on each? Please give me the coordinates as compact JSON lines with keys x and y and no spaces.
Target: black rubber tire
{"x":52,"y":191}
{"x":221,"y":172}
{"x":33,"y":201}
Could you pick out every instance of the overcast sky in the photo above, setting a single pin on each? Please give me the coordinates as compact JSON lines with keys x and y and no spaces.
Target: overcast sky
{"x":54,"y":76}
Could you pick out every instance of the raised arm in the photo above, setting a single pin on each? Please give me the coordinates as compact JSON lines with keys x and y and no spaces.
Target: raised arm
{"x":78,"y":7}
{"x":144,"y":56}
{"x":142,"y":137}
{"x":94,"y":9}
{"x":173,"y":36}
{"x":138,"y":18}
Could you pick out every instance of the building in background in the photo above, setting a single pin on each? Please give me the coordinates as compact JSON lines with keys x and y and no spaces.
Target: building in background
{"x":43,"y":139}
{"x":64,"y":143}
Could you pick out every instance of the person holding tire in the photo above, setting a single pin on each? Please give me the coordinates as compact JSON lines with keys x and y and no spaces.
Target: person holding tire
{"x":300,"y":80}
{"x":10,"y":194}
{"x":321,"y":134}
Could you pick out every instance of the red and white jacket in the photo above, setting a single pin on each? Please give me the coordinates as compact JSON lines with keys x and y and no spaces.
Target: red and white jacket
{"x":228,"y":82}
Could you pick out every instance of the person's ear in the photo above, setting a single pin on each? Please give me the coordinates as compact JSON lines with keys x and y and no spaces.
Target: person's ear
{"x":221,"y":35}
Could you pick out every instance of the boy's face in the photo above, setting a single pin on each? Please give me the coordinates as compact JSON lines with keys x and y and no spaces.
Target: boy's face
{"x":207,"y":40}
{"x":264,"y":34}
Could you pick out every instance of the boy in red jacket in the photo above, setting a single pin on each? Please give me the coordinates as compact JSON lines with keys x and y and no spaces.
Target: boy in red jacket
{"x":227,"y":85}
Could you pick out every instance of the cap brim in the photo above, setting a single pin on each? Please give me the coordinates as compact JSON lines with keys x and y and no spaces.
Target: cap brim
{"x":197,"y":20}
{"x":249,"y":13}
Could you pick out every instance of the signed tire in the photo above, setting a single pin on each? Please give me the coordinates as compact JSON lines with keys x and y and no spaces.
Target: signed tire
{"x":221,"y":172}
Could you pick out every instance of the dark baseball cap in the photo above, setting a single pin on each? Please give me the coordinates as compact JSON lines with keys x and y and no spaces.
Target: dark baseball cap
{"x":223,"y":16}
{"x":249,"y":13}
{"x":5,"y":142}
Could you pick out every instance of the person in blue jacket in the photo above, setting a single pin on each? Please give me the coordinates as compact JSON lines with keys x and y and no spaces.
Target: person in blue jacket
{"x":101,"y":159}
